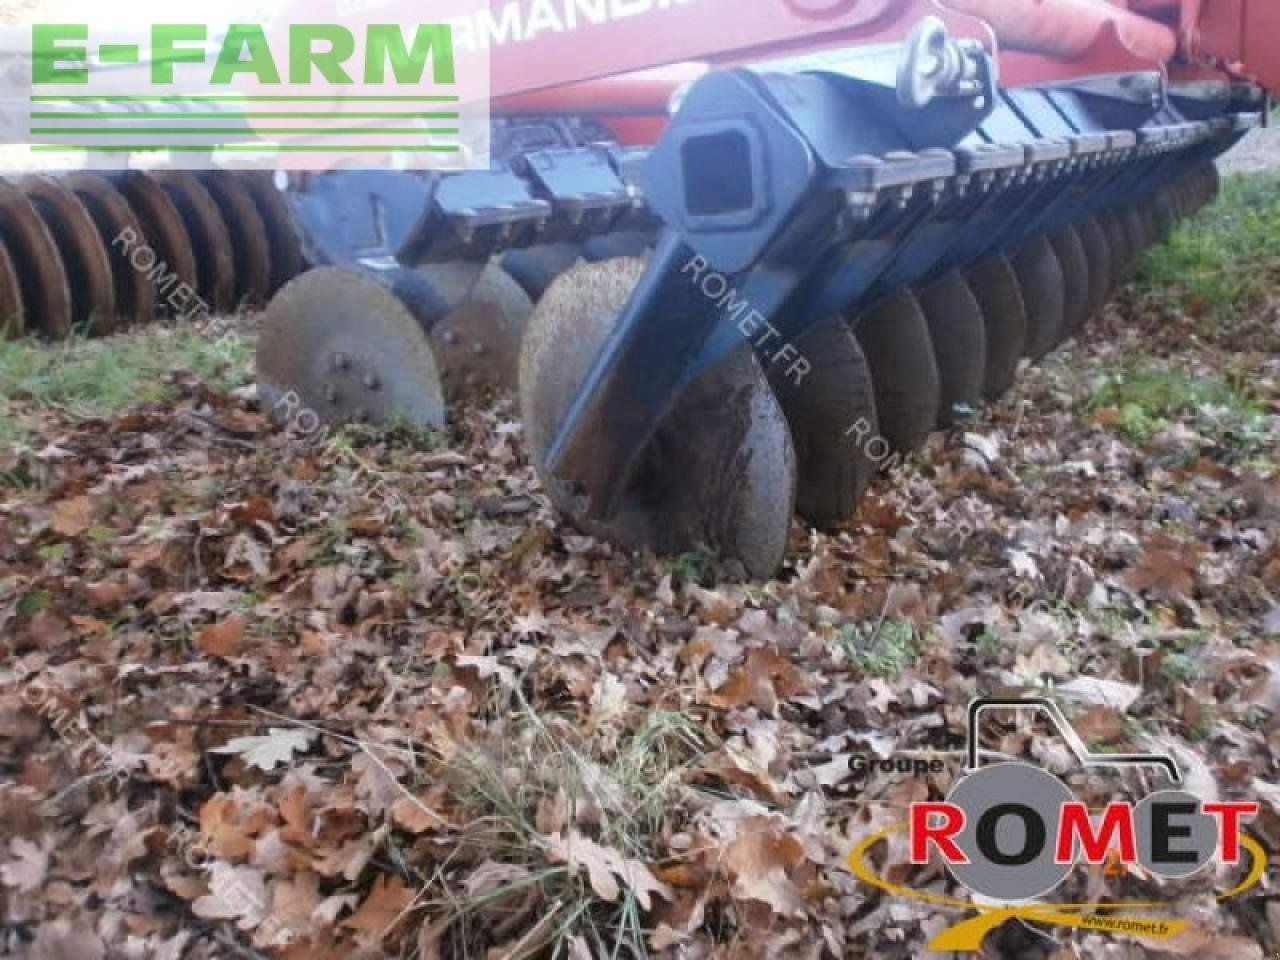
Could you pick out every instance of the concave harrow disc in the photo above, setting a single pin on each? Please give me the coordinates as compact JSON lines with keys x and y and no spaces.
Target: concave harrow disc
{"x":995,"y":287}
{"x":536,"y":268}
{"x":1041,"y":281}
{"x":894,"y":335}
{"x":210,"y":239}
{"x":162,"y":227}
{"x":286,"y":253}
{"x":721,"y":471}
{"x":959,"y":344}
{"x":135,"y":291}
{"x":250,"y":248}
{"x":1118,"y":246}
{"x":1069,"y":249}
{"x":12,"y":320}
{"x":337,"y":345}
{"x":45,"y":290}
{"x":1097,"y":255}
{"x":477,"y":344}
{"x":89,"y":280}
{"x":831,"y":411}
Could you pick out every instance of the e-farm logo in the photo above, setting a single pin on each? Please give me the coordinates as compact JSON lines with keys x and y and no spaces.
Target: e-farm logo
{"x":380,"y":87}
{"x":1011,"y":833}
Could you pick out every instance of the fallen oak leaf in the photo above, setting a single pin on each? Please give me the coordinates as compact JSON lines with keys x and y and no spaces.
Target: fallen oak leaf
{"x":27,"y":871}
{"x":73,"y":517}
{"x":267,"y":753}
{"x":225,"y":639}
{"x":386,"y":906}
{"x":764,"y":680}
{"x":235,"y":893}
{"x":605,"y":867}
{"x":758,"y":861}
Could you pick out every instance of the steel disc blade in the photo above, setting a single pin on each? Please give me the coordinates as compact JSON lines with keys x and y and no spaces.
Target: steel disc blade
{"x":45,"y":290}
{"x":1069,"y":249}
{"x":336,"y":346}
{"x":93,"y":298}
{"x":831,"y":411}
{"x":166,"y":234}
{"x":1041,"y":281}
{"x":286,"y":253}
{"x":721,"y":471}
{"x":1135,"y":230}
{"x":249,"y":245}
{"x":135,"y":291}
{"x":13,"y":322}
{"x":1117,"y":246}
{"x":995,"y":287}
{"x":959,"y":344}
{"x":477,"y":344}
{"x":1146,"y":220}
{"x":1098,"y":256}
{"x":210,"y":239}
{"x":1162,"y":213}
{"x":894,"y":336}
{"x":536,"y":268}
{"x":1211,"y":183}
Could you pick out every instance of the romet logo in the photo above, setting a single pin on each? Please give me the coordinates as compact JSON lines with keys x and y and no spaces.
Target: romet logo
{"x":379,"y":87}
{"x":1012,"y":832}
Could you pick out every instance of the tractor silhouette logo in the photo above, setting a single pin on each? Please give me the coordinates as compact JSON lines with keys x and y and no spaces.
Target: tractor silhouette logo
{"x":1012,"y":833}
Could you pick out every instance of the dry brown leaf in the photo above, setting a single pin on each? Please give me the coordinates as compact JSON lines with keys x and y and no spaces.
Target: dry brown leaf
{"x":73,"y":517}
{"x":606,"y":868}
{"x":764,"y":680}
{"x":225,"y":639}
{"x":382,"y":910}
{"x":758,"y":861}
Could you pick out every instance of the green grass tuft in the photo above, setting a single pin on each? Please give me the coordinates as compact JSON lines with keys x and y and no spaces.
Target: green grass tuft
{"x":1148,"y":398}
{"x":1226,"y":260}
{"x":100,"y":378}
{"x":884,"y":651}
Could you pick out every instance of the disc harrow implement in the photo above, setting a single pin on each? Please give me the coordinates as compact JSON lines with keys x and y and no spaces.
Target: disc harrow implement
{"x":96,"y":253}
{"x":738,"y":313}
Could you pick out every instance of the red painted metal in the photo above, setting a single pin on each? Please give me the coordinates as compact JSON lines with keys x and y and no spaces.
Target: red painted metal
{"x":627,"y":57}
{"x":1239,"y":35}
{"x":538,"y":52}
{"x":1068,"y":29}
{"x":645,"y":92}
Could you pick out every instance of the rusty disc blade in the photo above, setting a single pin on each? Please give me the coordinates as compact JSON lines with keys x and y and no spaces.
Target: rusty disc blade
{"x":1069,"y":249}
{"x":13,"y":323}
{"x":720,"y":474}
{"x":338,"y":346}
{"x":210,"y":239}
{"x":1098,"y":256}
{"x":536,"y":268}
{"x":829,"y":401}
{"x":249,"y":244}
{"x":286,"y":254}
{"x":894,"y":336}
{"x":477,"y":344}
{"x":166,"y":233}
{"x":45,"y":290}
{"x":959,"y":344}
{"x":122,"y":234}
{"x":1041,"y":281}
{"x":89,"y":279}
{"x":995,"y":287}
